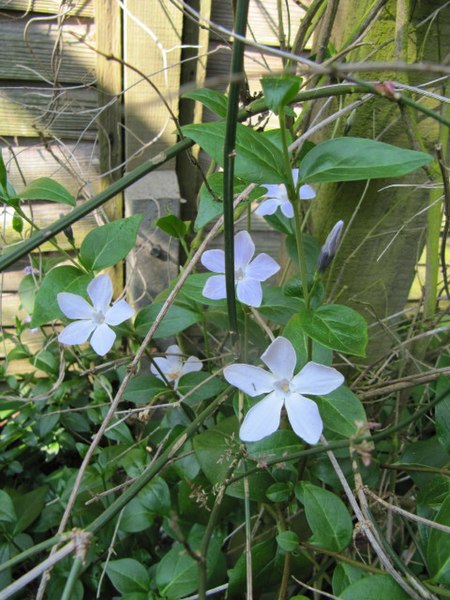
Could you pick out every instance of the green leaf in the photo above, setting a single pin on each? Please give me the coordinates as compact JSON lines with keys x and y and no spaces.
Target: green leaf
{"x":17,"y":223}
{"x":3,"y":174}
{"x":427,"y":453}
{"x":339,"y":411}
{"x":278,"y":307}
{"x":337,"y":327}
{"x":206,"y":389}
{"x":288,"y":540}
{"x":279,"y":91}
{"x":438,"y":547}
{"x":27,"y":293}
{"x":212,"y":99}
{"x":173,"y":226}
{"x":177,"y":574}
{"x":327,"y":517}
{"x":216,"y":449}
{"x":176,"y":320}
{"x":46,"y":361}
{"x":143,"y":388}
{"x":128,"y":575}
{"x":374,"y":588}
{"x":344,"y":575}
{"x":7,"y":512}
{"x":267,"y":566}
{"x":278,"y":492}
{"x":353,"y":159}
{"x":28,"y":507}
{"x":107,"y":245}
{"x":45,"y":188}
{"x":442,"y":410}
{"x":294,"y":333}
{"x":59,"y":279}
{"x":257,"y":159}
{"x":152,"y":500}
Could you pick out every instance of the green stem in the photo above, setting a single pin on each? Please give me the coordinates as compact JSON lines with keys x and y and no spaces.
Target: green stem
{"x":29,"y":552}
{"x":75,"y":571}
{"x":237,"y":64}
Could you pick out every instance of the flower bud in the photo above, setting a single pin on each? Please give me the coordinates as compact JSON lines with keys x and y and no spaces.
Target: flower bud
{"x":329,"y":249}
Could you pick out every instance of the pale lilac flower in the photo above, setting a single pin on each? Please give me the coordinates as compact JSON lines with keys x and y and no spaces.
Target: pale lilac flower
{"x":277,"y":197}
{"x":283,"y":389}
{"x":329,"y":249}
{"x":94,"y":319}
{"x":173,"y":367}
{"x":248,"y":273}
{"x":28,"y":320}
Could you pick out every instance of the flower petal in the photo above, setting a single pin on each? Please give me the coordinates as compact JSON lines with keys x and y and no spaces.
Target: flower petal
{"x":174,"y":357}
{"x":102,"y":339}
{"x":74,"y":306}
{"x":295,"y":176}
{"x":214,"y":260}
{"x":76,"y":333}
{"x":287,"y":209}
{"x":191,"y":365}
{"x":307,"y":192}
{"x":118,"y":313}
{"x":262,"y":267}
{"x":304,"y":417}
{"x":268,"y":207}
{"x":254,"y":381}
{"x":164,"y":366}
{"x":244,"y":249}
{"x":214,"y":288}
{"x":281,"y":358}
{"x":317,"y":379}
{"x":249,"y":291}
{"x":262,"y":419}
{"x":274,"y":190}
{"x":100,"y":292}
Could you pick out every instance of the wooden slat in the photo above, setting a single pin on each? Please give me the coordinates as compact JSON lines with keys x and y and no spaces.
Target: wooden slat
{"x":75,"y":166}
{"x":262,"y":19}
{"x":33,"y":111}
{"x":28,"y":45}
{"x":45,"y":213}
{"x":151,"y":29}
{"x":80,"y":8}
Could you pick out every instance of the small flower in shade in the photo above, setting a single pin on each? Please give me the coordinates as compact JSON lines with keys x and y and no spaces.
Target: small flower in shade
{"x":173,"y":367}
{"x":277,"y":197}
{"x":329,"y":249}
{"x":283,"y":388}
{"x":93,"y":319}
{"x":248,"y":273}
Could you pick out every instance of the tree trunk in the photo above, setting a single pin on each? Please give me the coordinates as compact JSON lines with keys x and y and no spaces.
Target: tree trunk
{"x":385,"y":227}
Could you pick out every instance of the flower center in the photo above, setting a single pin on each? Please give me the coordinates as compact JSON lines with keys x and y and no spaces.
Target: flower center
{"x":282,"y":385}
{"x":173,"y":375}
{"x":239,"y":274}
{"x":99,"y":317}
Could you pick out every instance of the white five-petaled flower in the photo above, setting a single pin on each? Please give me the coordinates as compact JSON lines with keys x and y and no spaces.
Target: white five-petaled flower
{"x":277,"y":197}
{"x":248,"y":273}
{"x":93,"y":319}
{"x":173,"y":367}
{"x":283,"y":389}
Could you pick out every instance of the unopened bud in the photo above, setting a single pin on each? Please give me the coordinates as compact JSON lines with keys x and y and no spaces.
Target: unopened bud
{"x":329,"y":249}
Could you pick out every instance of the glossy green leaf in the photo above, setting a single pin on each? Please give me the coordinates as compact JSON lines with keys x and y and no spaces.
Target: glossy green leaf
{"x":288,"y":540}
{"x":59,"y":279}
{"x":173,"y":226}
{"x":295,"y":334}
{"x":337,"y":327}
{"x":353,"y":159}
{"x":215,"y":450}
{"x":425,"y":453}
{"x":212,"y":99}
{"x":46,"y":361}
{"x":7,"y":512}
{"x":3,"y":174}
{"x":105,"y":246}
{"x":344,"y":575}
{"x":442,"y":410}
{"x":279,"y":492}
{"x":438,"y":547}
{"x":257,"y":159}
{"x":128,"y":575}
{"x":374,"y":588}
{"x":278,"y":307}
{"x":17,"y":223}
{"x":176,"y":320}
{"x":340,"y":410}
{"x":327,"y":516}
{"x":45,"y":188}
{"x":143,"y":388}
{"x":207,"y":387}
{"x":28,"y":507}
{"x":279,"y":91}
{"x":177,"y":573}
{"x":267,"y":567}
